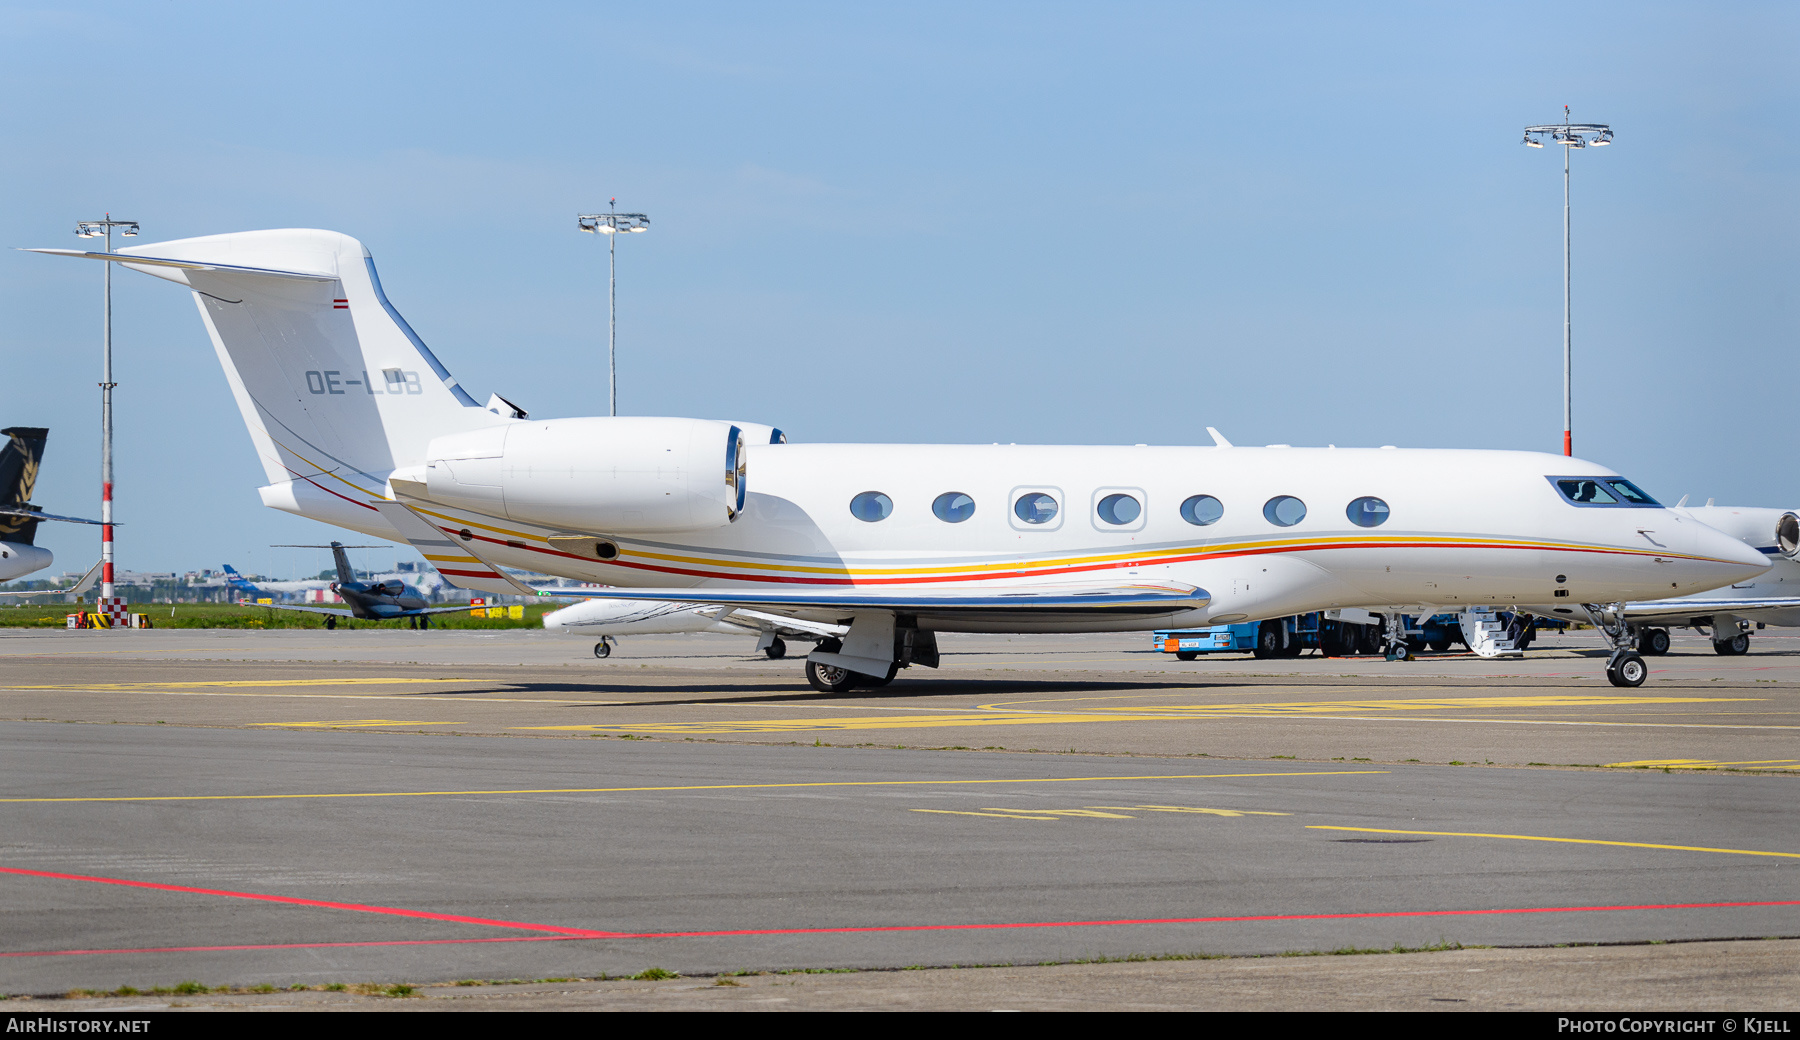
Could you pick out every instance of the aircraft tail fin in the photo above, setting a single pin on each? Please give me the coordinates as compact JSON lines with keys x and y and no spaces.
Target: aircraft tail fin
{"x":19,"y":461}
{"x":238,"y":581}
{"x":333,"y":384}
{"x":346,"y":573}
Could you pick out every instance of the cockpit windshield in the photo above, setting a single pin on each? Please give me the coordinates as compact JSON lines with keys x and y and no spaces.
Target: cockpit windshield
{"x":1602,"y":491}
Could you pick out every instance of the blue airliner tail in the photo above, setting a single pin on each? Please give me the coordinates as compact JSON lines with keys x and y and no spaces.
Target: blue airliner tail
{"x":238,"y":581}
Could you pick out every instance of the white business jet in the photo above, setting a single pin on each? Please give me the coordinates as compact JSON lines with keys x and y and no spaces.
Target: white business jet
{"x":1771,"y":598}
{"x":358,"y":424}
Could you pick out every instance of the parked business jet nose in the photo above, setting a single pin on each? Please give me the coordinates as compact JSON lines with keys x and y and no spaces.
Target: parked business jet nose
{"x":1716,"y":559}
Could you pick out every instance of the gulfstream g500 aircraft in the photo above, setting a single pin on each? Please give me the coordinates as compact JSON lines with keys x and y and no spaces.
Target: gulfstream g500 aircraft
{"x":359,"y":425}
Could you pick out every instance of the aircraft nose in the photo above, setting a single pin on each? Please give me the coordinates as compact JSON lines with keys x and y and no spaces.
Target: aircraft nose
{"x":1730,"y":559}
{"x":556,"y":620}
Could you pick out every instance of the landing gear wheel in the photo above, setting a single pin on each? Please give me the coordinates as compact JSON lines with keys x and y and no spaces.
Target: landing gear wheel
{"x":776,"y":650}
{"x":330,"y":622}
{"x":1186,"y":655}
{"x":412,"y":623}
{"x":1268,"y":641}
{"x":827,"y":678}
{"x":1627,"y":669}
{"x":424,"y":622}
{"x":1733,"y":647}
{"x":603,"y":648}
{"x":1654,"y":641}
{"x":1439,"y":645}
{"x":1398,"y":652}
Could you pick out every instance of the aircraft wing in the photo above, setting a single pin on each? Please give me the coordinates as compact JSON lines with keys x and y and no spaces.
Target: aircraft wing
{"x":86,"y":583}
{"x":296,"y":606}
{"x":757,"y":621}
{"x":32,"y":514}
{"x":831,"y":602}
{"x":1667,"y":609}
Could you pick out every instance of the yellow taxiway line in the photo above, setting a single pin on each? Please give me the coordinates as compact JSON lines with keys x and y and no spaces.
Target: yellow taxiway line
{"x":686,"y":787}
{"x":1565,"y":841}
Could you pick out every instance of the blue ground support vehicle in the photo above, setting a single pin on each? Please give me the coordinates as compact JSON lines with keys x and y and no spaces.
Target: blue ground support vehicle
{"x":1276,"y":637}
{"x":1331,"y":633}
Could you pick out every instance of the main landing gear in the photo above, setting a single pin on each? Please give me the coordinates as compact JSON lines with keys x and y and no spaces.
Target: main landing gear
{"x":603,"y":648}
{"x":330,"y":622}
{"x":830,"y":678}
{"x":776,"y":650}
{"x":1625,"y":667}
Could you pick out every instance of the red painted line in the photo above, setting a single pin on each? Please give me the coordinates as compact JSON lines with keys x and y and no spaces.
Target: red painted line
{"x":564,"y":934}
{"x":1199,"y":920}
{"x":293,"y":901}
{"x":297,"y":946}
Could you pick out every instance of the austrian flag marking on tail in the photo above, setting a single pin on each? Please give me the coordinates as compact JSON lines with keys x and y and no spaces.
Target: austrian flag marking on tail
{"x":340,"y":305}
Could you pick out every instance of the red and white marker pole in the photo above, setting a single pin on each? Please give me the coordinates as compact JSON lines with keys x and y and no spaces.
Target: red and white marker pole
{"x":95,"y":229}
{"x":106,"y":438}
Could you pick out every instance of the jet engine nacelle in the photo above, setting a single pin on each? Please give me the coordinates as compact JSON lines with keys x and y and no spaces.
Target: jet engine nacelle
{"x":610,"y":475}
{"x":1787,"y":535}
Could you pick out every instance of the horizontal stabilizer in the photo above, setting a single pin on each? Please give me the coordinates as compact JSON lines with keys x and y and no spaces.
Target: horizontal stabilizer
{"x":32,"y":514}
{"x":188,"y":265}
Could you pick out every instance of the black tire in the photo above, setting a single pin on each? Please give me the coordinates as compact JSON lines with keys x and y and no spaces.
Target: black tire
{"x":776,"y":650}
{"x":1733,"y":647}
{"x":424,"y":622}
{"x":876,"y":681}
{"x":1371,"y":639}
{"x":1627,"y":669}
{"x":1439,"y":645}
{"x":829,"y":678}
{"x":1268,"y":641}
{"x":330,"y":622}
{"x":1186,"y":655}
{"x":1653,"y":641}
{"x":603,"y":649}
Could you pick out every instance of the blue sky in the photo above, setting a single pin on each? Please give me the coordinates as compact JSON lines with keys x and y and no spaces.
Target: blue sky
{"x":1061,"y":223}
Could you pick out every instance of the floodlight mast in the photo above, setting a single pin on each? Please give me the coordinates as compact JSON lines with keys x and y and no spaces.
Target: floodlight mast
{"x":612,"y":224}
{"x":99,"y":229}
{"x":1570,"y":136}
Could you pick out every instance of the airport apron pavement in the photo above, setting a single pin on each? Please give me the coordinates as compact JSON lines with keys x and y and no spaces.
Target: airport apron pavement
{"x":1101,"y":694}
{"x":146,"y":855}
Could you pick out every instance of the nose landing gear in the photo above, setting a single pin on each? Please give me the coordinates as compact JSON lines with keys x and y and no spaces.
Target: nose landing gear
{"x":1625,"y":667}
{"x":603,"y":648}
{"x":1393,"y":638}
